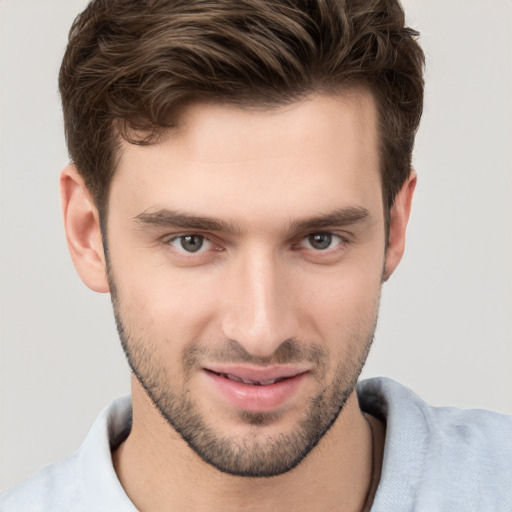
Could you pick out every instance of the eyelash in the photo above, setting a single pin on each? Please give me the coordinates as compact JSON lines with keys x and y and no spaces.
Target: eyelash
{"x":340,"y":244}
{"x":340,"y":241}
{"x":181,"y":237}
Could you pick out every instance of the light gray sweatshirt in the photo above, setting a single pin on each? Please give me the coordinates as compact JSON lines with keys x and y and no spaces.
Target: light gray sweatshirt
{"x":435,"y":459}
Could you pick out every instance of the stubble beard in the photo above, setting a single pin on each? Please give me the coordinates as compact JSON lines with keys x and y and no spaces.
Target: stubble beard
{"x":255,"y":455}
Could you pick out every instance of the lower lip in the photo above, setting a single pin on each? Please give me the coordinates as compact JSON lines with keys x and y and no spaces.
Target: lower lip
{"x":248,"y":397}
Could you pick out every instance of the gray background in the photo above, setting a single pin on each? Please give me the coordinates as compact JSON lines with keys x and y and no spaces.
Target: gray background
{"x":445,"y":324}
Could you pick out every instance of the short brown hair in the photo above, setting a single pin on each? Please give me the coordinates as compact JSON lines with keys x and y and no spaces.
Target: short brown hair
{"x":131,"y":64}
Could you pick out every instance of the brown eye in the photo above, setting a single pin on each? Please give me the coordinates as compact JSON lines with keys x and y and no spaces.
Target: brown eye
{"x":320,"y":241}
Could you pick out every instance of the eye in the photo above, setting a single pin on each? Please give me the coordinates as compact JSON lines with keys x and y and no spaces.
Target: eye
{"x":190,"y":243}
{"x":321,"y":241}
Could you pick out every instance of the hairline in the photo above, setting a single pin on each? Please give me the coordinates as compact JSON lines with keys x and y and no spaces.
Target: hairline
{"x":348,"y":90}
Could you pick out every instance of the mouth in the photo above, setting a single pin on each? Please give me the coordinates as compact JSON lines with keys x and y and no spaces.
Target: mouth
{"x":256,"y":389}
{"x":236,"y":378}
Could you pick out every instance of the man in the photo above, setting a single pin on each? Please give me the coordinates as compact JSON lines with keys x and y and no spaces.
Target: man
{"x":241,"y":184}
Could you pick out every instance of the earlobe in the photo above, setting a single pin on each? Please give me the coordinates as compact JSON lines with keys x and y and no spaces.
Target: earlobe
{"x":399,"y":217}
{"x":83,"y":234}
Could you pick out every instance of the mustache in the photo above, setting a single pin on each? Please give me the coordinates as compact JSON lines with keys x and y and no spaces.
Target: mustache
{"x":289,"y":351}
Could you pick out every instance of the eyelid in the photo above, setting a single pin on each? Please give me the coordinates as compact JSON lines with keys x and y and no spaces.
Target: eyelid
{"x":341,"y":238}
{"x":168,"y":237}
{"x":210,"y":245}
{"x":333,"y":241}
{"x":207,"y":243}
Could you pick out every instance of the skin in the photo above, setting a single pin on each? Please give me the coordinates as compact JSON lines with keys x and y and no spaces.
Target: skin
{"x":264,"y":175}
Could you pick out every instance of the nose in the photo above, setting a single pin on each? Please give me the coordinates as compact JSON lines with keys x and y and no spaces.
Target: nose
{"x":258,"y":306}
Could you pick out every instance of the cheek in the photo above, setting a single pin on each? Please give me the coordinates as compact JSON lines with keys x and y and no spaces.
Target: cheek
{"x":342,"y":306}
{"x":162,"y":303}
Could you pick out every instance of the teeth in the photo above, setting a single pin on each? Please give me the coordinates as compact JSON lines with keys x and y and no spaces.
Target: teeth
{"x":234,"y":377}
{"x":267,"y":382}
{"x":251,"y":382}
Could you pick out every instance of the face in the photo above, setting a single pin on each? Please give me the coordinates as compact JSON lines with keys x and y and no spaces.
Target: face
{"x":246,"y":254}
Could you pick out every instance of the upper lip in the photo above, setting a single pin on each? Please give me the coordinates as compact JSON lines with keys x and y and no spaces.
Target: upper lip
{"x":258,"y":373}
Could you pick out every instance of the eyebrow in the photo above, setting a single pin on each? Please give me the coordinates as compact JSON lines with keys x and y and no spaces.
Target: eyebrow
{"x":338,"y":218}
{"x":176,"y":219}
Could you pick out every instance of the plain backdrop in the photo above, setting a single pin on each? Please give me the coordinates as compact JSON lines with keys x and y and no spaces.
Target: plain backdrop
{"x":445,"y":325}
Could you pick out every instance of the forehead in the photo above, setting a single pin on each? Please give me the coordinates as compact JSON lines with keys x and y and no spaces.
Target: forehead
{"x":214,"y":132}
{"x":321,"y":151}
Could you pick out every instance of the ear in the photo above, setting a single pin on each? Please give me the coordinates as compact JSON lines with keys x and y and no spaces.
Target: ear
{"x":399,"y":217}
{"x":83,"y":234}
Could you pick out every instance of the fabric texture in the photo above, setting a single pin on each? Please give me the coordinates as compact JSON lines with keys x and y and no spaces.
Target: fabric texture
{"x":435,"y":460}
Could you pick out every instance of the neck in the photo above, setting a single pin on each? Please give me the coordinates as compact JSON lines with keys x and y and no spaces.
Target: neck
{"x":160,"y":472}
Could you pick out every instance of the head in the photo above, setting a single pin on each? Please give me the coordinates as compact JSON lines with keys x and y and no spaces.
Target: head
{"x":126,"y":77}
{"x":249,"y":165}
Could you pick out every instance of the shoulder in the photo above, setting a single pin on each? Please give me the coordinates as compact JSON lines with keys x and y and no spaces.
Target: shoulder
{"x":395,"y":402}
{"x":84,"y":481}
{"x":55,"y":487}
{"x":443,"y":458}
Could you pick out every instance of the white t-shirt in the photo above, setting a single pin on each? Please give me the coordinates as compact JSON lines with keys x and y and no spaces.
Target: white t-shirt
{"x":435,"y":459}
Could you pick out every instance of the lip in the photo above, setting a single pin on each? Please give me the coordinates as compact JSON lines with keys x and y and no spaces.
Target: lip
{"x":256,"y":389}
